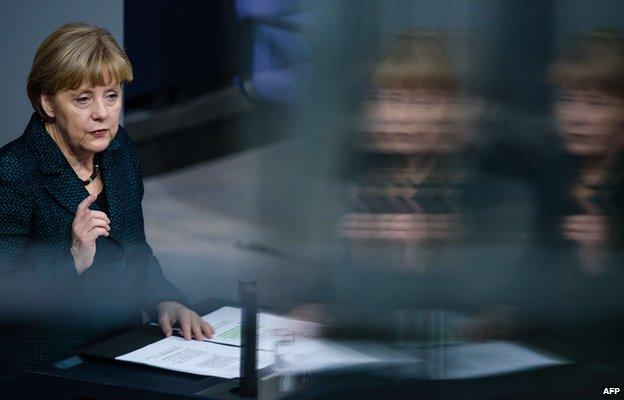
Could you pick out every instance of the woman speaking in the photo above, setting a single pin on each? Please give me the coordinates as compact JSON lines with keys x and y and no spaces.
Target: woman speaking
{"x":74,"y":261}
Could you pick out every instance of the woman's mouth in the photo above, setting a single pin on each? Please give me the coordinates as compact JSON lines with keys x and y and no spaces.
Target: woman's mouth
{"x":99,"y":133}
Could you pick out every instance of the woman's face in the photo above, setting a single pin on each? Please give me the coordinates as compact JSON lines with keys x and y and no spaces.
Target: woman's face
{"x":86,"y":118}
{"x":416,"y":121}
{"x":590,"y":122}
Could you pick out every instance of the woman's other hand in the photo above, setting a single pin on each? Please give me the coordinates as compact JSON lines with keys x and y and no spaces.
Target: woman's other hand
{"x":170,"y":312}
{"x":88,"y":225}
{"x":587,"y":230}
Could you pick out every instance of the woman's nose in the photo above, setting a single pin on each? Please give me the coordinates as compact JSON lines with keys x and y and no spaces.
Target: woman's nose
{"x":99,"y":111}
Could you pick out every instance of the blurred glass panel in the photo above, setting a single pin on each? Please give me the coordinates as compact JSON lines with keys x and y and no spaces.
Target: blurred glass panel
{"x":455,"y":178}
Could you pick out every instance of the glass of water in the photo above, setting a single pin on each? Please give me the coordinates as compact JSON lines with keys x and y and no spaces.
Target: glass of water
{"x":284,"y":342}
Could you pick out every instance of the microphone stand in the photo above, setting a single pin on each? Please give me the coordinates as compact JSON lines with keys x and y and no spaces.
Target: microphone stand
{"x":249,"y":339}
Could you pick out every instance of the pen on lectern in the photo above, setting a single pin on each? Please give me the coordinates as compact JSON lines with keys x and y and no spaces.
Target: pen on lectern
{"x":176,"y":331}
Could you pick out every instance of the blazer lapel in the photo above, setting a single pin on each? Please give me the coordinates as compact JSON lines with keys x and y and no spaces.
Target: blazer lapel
{"x":60,"y":180}
{"x":114,"y":176}
{"x":67,"y":189}
{"x":65,"y":186}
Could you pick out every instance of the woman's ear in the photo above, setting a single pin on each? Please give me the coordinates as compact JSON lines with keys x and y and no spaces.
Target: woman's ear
{"x":46,"y":104}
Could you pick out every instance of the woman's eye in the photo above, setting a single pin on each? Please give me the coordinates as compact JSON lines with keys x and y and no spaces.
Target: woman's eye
{"x":82,"y":100}
{"x":563,"y":99}
{"x":594,"y":102}
{"x":112,"y":97}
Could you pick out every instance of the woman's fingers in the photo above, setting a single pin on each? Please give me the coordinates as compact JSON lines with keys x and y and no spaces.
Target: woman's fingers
{"x":88,"y":220}
{"x":84,"y":205}
{"x":97,"y":232}
{"x":87,"y":226}
{"x":196,"y":327}
{"x":191,"y":324}
{"x":185,"y":324}
{"x":201,"y":329}
{"x":207,"y":330}
{"x":99,"y":215}
{"x":91,"y":215}
{"x":96,"y":222}
{"x":91,"y":220}
{"x":165,"y":324}
{"x":586,"y":229}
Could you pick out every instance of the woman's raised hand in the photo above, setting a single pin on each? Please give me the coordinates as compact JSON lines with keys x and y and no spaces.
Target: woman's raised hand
{"x":88,"y":225}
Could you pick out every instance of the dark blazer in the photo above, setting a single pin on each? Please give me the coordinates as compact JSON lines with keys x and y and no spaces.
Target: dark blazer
{"x":45,"y":306}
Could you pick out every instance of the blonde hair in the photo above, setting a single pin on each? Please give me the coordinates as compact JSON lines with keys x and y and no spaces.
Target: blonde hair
{"x":74,"y":54}
{"x":594,"y":60}
{"x":417,"y":60}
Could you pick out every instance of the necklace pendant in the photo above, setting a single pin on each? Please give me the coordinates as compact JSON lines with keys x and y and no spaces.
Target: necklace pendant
{"x":96,"y":171}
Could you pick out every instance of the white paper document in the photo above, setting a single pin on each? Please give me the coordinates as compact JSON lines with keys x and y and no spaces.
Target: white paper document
{"x":475,"y":360}
{"x":464,"y":361}
{"x":322,"y":355}
{"x":305,"y":351}
{"x":227,"y":324}
{"x":194,"y":357}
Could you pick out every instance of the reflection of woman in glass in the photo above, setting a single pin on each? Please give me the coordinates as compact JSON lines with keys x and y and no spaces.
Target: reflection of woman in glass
{"x":413,"y":138}
{"x":589,"y":113}
{"x":74,"y":261}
